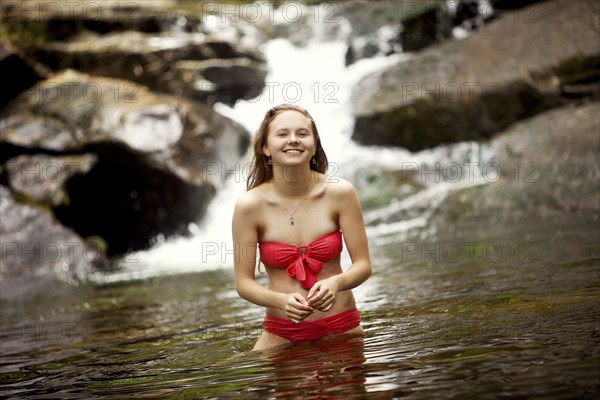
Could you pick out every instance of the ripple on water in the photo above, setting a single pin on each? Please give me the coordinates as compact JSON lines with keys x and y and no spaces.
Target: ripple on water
{"x":440,"y":330}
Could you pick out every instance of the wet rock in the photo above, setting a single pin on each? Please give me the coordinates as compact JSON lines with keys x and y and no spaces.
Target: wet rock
{"x":128,"y":200}
{"x":425,"y":29}
{"x":579,"y":77}
{"x":42,"y":177}
{"x":383,"y":28}
{"x":408,"y":210}
{"x":159,"y":158}
{"x":378,"y":187}
{"x":476,"y":87}
{"x":218,"y":80}
{"x":544,"y":164}
{"x":552,"y":159}
{"x":155,"y":61}
{"x":18,"y":72}
{"x":410,"y":194}
{"x":375,"y":26}
{"x":360,"y":49}
{"x":30,"y":130}
{"x":425,"y":124}
{"x":35,"y":245}
{"x":63,"y":20}
{"x":512,"y":4}
{"x":471,"y":15}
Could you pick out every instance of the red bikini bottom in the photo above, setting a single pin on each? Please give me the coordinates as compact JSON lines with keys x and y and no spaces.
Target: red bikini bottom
{"x":311,"y":330}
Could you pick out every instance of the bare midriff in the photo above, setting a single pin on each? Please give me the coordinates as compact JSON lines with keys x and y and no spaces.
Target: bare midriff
{"x":281,"y":282}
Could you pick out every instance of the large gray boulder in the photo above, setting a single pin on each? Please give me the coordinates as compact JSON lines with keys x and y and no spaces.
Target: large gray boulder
{"x":510,"y":70}
{"x":542,"y":165}
{"x":34,"y":244}
{"x":155,"y":60}
{"x":159,"y":158}
{"x":42,"y":178}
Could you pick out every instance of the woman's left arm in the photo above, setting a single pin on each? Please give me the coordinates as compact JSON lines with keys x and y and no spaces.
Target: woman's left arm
{"x":353,"y":228}
{"x":355,"y":236}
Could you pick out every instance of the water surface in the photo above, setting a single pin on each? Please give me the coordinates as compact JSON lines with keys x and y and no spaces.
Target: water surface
{"x":483,"y":308}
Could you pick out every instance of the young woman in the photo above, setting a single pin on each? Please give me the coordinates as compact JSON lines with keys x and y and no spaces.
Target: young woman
{"x":298,"y":218}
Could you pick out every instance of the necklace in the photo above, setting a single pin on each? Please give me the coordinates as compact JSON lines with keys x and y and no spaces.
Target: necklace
{"x":297,"y":208}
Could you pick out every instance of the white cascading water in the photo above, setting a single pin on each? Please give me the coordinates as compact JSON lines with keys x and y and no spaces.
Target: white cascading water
{"x":314,"y":77}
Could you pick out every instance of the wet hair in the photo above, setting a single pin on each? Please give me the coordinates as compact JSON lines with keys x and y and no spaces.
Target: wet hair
{"x":260,"y":170}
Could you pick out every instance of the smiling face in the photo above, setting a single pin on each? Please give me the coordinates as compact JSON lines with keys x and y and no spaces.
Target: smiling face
{"x":285,"y":125}
{"x":290,"y":139}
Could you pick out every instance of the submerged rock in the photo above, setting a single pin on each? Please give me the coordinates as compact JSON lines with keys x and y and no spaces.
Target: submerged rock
{"x":159,"y":158}
{"x":474,"y":88}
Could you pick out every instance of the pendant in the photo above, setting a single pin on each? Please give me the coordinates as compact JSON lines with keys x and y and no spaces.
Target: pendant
{"x":291,"y":220}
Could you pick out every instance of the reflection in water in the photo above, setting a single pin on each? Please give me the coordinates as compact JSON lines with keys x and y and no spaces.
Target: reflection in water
{"x":331,"y":367}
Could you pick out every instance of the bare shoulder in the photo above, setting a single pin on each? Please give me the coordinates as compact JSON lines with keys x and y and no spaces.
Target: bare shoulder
{"x":340,"y":188}
{"x":249,"y":202}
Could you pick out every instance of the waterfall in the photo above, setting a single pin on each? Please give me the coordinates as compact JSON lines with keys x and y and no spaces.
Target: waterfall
{"x":315,"y":77}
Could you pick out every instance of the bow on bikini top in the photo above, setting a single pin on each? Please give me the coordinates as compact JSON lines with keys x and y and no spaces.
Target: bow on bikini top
{"x":302,"y":262}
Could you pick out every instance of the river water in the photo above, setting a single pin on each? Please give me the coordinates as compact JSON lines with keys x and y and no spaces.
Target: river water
{"x":510,"y":312}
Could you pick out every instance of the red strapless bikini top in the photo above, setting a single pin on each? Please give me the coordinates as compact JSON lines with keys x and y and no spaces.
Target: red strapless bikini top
{"x":302,"y":262}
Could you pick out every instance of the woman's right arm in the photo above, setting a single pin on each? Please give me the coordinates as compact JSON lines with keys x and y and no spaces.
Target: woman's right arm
{"x":245,"y":238}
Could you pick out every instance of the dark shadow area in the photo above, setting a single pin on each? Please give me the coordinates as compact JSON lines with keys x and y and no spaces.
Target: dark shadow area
{"x":127,"y":203}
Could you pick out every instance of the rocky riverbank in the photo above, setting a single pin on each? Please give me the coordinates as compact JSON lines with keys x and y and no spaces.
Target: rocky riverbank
{"x":110,"y":142}
{"x":108,"y":136}
{"x":529,"y":106}
{"x":525,"y":62}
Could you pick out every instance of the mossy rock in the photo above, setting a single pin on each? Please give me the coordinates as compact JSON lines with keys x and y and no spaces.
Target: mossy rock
{"x":378,"y":187}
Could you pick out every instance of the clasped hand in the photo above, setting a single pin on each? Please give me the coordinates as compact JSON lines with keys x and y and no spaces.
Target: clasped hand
{"x":320,"y":297}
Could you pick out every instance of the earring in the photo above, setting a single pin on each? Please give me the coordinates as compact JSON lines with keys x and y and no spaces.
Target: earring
{"x":269,"y":161}
{"x":314,"y":161}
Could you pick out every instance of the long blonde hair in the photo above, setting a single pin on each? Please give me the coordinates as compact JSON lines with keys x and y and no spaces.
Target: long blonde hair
{"x":260,"y":170}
